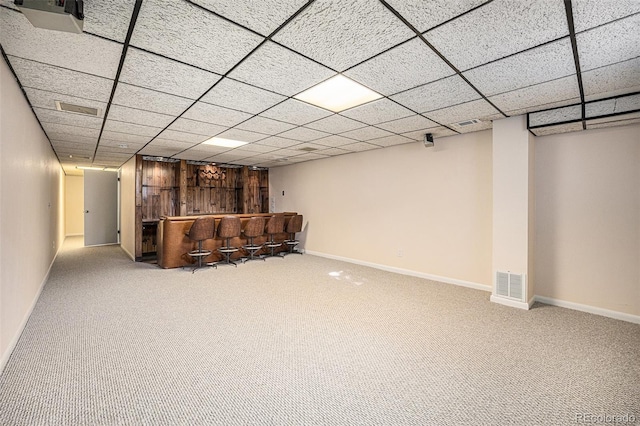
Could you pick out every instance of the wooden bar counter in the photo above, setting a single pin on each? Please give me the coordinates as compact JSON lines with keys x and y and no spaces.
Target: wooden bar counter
{"x":173,"y":244}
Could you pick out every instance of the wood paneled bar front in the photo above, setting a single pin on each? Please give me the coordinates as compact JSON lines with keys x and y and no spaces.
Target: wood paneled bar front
{"x":173,"y":244}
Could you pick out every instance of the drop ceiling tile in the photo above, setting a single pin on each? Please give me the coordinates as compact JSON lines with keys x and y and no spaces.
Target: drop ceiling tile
{"x":70,"y":130}
{"x":185,"y":32}
{"x":69,"y":138}
{"x":214,"y":114}
{"x":334,"y":152}
{"x":528,"y":98}
{"x":408,"y":124}
{"x":159,"y":151}
{"x":125,"y":137}
{"x":265,"y":125}
{"x":483,"y":125}
{"x":296,"y":112}
{"x":62,"y":146}
{"x":170,"y":144}
{"x":536,"y":108}
{"x":277,"y":142}
{"x":479,"y":109}
{"x":613,"y":123}
{"x":141,"y":98}
{"x":174,"y":135}
{"x":437,"y":132}
{"x":198,"y":127}
{"x":366,"y":133}
{"x":609,"y":44}
{"x":251,"y":161}
{"x":139,"y":116}
{"x":627,"y":103}
{"x":377,"y":112}
{"x":287,"y":152}
{"x":69,"y":118}
{"x":242,"y":97}
{"x":80,"y":52}
{"x":612,"y":80}
{"x":241,"y":135}
{"x":592,"y":13}
{"x":334,"y":141}
{"x":108,"y":19}
{"x":424,"y":15}
{"x":227,"y":157}
{"x":44,"y":99}
{"x":275,"y":68}
{"x":364,"y":29}
{"x":560,"y":128}
{"x":310,"y":156}
{"x":154,"y":72}
{"x":134,"y":129}
{"x":9,"y":3}
{"x":359,"y":146}
{"x":615,"y":118}
{"x":404,"y":67}
{"x":261,"y":16}
{"x":391,"y":141}
{"x":439,"y":94}
{"x":557,"y":115}
{"x":544,"y":63}
{"x":192,"y":155}
{"x":72,"y":83}
{"x":121,"y":144}
{"x":467,"y":42}
{"x":302,"y":134}
{"x":335,"y":124}
{"x":257,"y":148}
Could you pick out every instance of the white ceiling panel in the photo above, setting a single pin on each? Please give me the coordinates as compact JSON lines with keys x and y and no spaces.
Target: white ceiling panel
{"x":80,"y":52}
{"x":439,"y":94}
{"x":242,"y":135}
{"x":378,"y":112}
{"x":479,"y":109}
{"x":302,"y":134}
{"x":261,"y":16}
{"x":334,"y":151}
{"x":139,"y":116}
{"x":557,"y":115}
{"x":334,"y":141}
{"x":198,"y":127}
{"x":363,"y":28}
{"x":66,"y":129}
{"x":228,"y":157}
{"x":538,"y":95}
{"x":439,"y":131}
{"x":120,"y":137}
{"x":415,"y":122}
{"x":475,"y":39}
{"x":89,"y":145}
{"x":54,"y":79}
{"x":44,"y":99}
{"x":159,"y":151}
{"x":424,"y":15}
{"x":192,"y":155}
{"x":335,"y":124}
{"x":214,"y":114}
{"x":242,"y":97}
{"x":545,"y":63}
{"x":278,"y":69}
{"x":359,"y":146}
{"x":560,"y":128}
{"x":616,"y":118}
{"x":366,"y":133}
{"x":591,"y":13}
{"x":613,"y":124}
{"x":309,"y":156}
{"x":141,"y":98}
{"x":285,"y":152}
{"x":171,"y":144}
{"x":130,"y":128}
{"x":68,"y":118}
{"x":404,"y":67}
{"x":483,"y":125}
{"x":120,"y":144}
{"x":543,"y":107}
{"x":189,"y":34}
{"x":277,"y":142}
{"x":108,"y":19}
{"x":165,"y":75}
{"x":391,"y":141}
{"x":68,"y":138}
{"x":627,"y":103}
{"x":623,"y":77}
{"x":611,"y":43}
{"x":257,"y":148}
{"x":174,"y":135}
{"x":265,"y":125}
{"x":296,"y":112}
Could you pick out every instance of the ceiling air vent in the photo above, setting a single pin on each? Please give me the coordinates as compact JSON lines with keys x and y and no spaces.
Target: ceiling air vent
{"x":63,"y":106}
{"x":307,"y":149}
{"x":467,"y":122}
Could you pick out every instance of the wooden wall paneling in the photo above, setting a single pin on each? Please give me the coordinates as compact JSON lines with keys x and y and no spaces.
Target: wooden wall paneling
{"x":138,"y":211}
{"x":183,"y":188}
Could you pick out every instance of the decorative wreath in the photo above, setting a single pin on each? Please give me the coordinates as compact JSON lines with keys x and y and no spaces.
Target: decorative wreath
{"x":213,"y":173}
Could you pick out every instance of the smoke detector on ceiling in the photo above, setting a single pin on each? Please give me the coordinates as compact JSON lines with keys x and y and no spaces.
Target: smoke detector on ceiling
{"x":63,"y":106}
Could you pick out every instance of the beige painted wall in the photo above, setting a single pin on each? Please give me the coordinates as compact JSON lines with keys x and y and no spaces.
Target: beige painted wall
{"x":74,"y":205}
{"x":31,"y":210}
{"x":588,"y":218}
{"x":128,"y":207}
{"x":433,"y":204}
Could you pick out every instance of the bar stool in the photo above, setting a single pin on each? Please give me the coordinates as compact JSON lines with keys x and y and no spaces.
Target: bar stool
{"x":229,"y":227}
{"x":275,"y":225}
{"x":294,"y":226}
{"x":253,"y":228}
{"x":203,"y":228}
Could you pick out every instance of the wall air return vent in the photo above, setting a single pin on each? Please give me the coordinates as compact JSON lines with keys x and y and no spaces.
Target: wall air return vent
{"x":63,"y":106}
{"x":467,"y":122}
{"x":510,"y":285}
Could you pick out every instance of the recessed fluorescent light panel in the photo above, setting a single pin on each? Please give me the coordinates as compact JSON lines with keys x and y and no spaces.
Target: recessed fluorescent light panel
{"x":337,"y":94}
{"x":227,"y":143}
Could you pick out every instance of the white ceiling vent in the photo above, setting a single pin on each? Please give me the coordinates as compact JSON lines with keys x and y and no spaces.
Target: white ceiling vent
{"x":63,"y":106}
{"x":467,"y":122}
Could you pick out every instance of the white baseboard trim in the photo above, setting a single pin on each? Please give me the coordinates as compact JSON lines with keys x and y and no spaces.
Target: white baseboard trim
{"x":12,"y":344}
{"x":512,"y":303}
{"x":589,"y":309}
{"x":447,"y":280}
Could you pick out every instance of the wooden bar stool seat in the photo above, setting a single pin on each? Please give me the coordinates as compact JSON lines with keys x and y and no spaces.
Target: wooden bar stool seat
{"x":230,"y":227}
{"x":275,"y":225}
{"x":254,"y":228}
{"x":203,"y":228}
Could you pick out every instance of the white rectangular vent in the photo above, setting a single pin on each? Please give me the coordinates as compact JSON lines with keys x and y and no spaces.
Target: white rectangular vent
{"x":510,"y":285}
{"x":63,"y":106}
{"x":468,"y":122}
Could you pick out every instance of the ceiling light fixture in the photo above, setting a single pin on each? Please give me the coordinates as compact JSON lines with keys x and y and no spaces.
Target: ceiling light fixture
{"x":337,"y":94}
{"x":89,"y":168}
{"x":227,"y":143}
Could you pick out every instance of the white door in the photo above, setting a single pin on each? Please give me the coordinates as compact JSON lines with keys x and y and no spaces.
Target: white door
{"x":100,"y":207}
